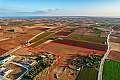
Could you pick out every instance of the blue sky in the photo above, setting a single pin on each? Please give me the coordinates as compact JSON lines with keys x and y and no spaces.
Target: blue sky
{"x":60,"y":7}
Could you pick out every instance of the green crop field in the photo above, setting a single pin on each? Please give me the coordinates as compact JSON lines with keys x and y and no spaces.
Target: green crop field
{"x":42,"y":39}
{"x":40,"y":36}
{"x":41,"y":24}
{"x":93,"y":39}
{"x":111,"y":70}
{"x":87,"y":74}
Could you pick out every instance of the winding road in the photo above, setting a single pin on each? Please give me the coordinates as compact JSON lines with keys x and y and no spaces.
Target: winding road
{"x":104,"y":57}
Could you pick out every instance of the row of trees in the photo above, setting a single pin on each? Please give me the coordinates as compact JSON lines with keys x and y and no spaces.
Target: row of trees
{"x":90,"y":61}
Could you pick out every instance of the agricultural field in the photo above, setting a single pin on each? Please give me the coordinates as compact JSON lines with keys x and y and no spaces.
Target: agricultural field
{"x":42,"y":35}
{"x":114,"y":55}
{"x":2,"y":51}
{"x":63,"y":33}
{"x":115,"y":46}
{"x":87,"y":74}
{"x":83,"y":44}
{"x":68,"y":49}
{"x":88,"y":66}
{"x":111,"y":70}
{"x":87,"y":38}
{"x":41,"y":39}
{"x":41,"y":24}
{"x":57,"y":48}
{"x":10,"y":40}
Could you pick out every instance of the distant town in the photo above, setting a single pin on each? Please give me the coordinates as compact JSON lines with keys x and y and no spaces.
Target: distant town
{"x":59,"y":48}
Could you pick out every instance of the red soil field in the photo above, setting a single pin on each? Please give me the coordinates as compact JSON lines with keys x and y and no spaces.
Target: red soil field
{"x":2,"y":51}
{"x":56,"y":48}
{"x":87,"y":45}
{"x":114,"y":55}
{"x":63,"y":33}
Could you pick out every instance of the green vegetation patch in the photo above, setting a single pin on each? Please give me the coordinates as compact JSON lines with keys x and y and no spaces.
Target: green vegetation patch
{"x":107,"y":24}
{"x":111,"y":70}
{"x":42,"y":39}
{"x":93,"y":39}
{"x":87,"y":74}
{"x":98,"y":32}
{"x":40,"y":36}
{"x":41,"y":24}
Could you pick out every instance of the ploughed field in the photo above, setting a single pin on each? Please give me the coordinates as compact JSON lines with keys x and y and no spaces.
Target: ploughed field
{"x":15,"y":39}
{"x":69,"y":47}
{"x":83,"y":44}
{"x":2,"y":51}
{"x":114,"y":55}
{"x":93,"y":39}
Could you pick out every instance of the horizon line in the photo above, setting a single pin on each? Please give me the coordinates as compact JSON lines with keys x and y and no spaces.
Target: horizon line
{"x":20,"y":16}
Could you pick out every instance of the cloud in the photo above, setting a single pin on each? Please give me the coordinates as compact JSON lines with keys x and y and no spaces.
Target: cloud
{"x":4,"y":11}
{"x":107,"y":11}
{"x":43,"y":12}
{"x":38,"y":12}
{"x":31,"y":13}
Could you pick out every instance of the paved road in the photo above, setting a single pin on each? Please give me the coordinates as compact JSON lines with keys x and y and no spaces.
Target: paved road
{"x":104,"y":57}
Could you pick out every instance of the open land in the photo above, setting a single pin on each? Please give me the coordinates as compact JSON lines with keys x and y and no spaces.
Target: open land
{"x":59,"y":48}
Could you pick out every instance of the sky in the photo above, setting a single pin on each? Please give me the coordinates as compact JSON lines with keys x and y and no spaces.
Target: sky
{"x":59,"y":7}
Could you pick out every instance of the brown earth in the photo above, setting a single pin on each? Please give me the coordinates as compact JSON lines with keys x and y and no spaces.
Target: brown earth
{"x":2,"y":51}
{"x":114,"y":55}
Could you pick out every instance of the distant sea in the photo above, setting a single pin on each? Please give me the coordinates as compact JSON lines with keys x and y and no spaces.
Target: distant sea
{"x":24,"y":17}
{"x":35,"y":17}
